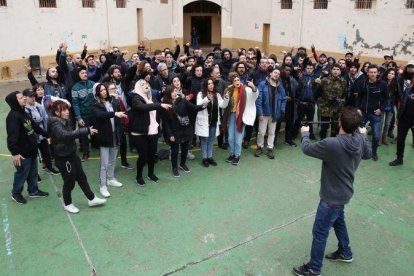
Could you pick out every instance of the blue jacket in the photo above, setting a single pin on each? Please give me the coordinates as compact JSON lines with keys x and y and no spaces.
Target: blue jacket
{"x":263,"y":102}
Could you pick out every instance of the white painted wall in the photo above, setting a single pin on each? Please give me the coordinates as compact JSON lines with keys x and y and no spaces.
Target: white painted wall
{"x":25,"y":29}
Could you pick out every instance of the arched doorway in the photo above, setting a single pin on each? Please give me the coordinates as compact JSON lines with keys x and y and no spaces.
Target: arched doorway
{"x":205,"y":16}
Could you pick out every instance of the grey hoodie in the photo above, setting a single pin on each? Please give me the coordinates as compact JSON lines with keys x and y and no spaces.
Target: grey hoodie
{"x":340,"y":157}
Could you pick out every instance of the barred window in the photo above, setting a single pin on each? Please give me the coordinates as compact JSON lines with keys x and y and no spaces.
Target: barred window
{"x":320,"y":4}
{"x":286,"y":4}
{"x":88,"y":3}
{"x":121,"y":3}
{"x":410,"y":4}
{"x":363,"y":4}
{"x":3,"y":3}
{"x":47,"y":3}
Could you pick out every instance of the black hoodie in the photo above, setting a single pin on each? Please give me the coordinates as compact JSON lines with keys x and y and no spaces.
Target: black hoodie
{"x":21,"y":130}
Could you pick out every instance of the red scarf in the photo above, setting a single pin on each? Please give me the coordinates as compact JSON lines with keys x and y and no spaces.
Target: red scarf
{"x":241,"y":104}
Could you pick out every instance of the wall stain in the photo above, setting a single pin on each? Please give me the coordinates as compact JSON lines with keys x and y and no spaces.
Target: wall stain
{"x":404,"y":46}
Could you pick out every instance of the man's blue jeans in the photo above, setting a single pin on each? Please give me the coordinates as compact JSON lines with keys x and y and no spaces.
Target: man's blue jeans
{"x":26,"y":172}
{"x":207,"y":143}
{"x":235,"y":137}
{"x":375,"y":123}
{"x":327,"y":217}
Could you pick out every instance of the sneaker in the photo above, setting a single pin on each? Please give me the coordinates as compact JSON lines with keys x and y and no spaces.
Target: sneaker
{"x":140,"y":182}
{"x":230,"y":158}
{"x":270,"y":154}
{"x":85,"y":156}
{"x":153,"y":177}
{"x":39,"y":193}
{"x":125,"y":165}
{"x":71,"y":209}
{"x":245,"y":144}
{"x":39,"y":179}
{"x":235,"y":161}
{"x":396,"y":162}
{"x":305,"y":270}
{"x":114,"y":183}
{"x":96,"y":201}
{"x":374,"y":157}
{"x":185,"y":168}
{"x":259,"y":151}
{"x":291,"y":143}
{"x":19,"y":199}
{"x":104,"y":191}
{"x":190,"y":155}
{"x":337,"y":256}
{"x":206,"y":163}
{"x":175,"y":172}
{"x":212,"y":162}
{"x":52,"y":171}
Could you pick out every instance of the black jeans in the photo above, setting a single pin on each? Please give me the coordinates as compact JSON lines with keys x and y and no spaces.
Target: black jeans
{"x":402,"y":129}
{"x":123,"y":147}
{"x":146,"y":146}
{"x":175,"y":147}
{"x":71,"y":170}
{"x":307,"y":110}
{"x":289,"y":115}
{"x":44,"y":149}
{"x":324,"y":127}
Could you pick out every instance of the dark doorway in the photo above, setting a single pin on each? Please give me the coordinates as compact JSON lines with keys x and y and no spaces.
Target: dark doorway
{"x":203,"y":25}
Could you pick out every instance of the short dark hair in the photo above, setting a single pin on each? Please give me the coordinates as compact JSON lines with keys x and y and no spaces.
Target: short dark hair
{"x":371,"y":66}
{"x":336,"y":65}
{"x":350,"y":119}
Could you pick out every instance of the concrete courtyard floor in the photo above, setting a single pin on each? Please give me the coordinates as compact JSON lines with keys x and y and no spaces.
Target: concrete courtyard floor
{"x":253,"y":219}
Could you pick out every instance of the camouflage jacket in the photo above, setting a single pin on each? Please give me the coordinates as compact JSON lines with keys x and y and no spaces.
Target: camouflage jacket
{"x":332,"y":91}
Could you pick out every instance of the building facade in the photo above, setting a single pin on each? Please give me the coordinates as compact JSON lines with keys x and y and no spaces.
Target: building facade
{"x":37,"y":27}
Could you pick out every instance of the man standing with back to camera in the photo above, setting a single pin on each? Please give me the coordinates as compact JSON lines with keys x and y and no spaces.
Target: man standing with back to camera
{"x":340,"y":157}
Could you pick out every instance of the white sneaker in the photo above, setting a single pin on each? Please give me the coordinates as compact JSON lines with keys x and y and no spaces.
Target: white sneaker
{"x":71,"y":209}
{"x":96,"y":201}
{"x":190,"y":155}
{"x":104,"y":191}
{"x":114,"y":183}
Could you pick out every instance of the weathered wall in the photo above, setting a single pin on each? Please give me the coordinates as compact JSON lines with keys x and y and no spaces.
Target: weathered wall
{"x":25,"y":29}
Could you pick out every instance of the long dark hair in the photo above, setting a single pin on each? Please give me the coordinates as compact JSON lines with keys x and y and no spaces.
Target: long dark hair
{"x":393,"y":84}
{"x":167,"y":94}
{"x":98,"y":92}
{"x":204,"y":89}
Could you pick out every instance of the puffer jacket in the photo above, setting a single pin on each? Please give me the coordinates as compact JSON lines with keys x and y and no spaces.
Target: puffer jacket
{"x":63,"y":136}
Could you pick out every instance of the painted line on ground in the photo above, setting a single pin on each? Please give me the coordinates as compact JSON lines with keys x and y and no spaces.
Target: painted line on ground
{"x":247,"y":240}
{"x":75,"y":230}
{"x":8,"y":242}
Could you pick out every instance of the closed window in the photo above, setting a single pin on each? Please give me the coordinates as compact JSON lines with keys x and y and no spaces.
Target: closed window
{"x":410,"y":4}
{"x":363,"y":4}
{"x":286,"y":4}
{"x":320,"y":4}
{"x":3,"y":3}
{"x":88,"y":3}
{"x":47,"y":3}
{"x":121,"y":4}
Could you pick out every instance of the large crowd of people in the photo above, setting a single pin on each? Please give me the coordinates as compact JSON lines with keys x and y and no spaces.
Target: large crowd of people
{"x":118,"y":104}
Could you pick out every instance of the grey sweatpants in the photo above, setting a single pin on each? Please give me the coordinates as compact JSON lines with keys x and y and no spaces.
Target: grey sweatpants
{"x":108,"y":160}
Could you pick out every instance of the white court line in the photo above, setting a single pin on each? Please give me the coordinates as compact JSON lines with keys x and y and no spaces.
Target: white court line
{"x":75,"y":230}
{"x":7,"y":236}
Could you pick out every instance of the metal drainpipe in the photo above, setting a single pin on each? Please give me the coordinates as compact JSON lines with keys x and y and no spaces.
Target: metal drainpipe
{"x":300,"y":24}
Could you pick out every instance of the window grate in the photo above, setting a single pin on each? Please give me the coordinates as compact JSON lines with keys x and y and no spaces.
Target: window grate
{"x":363,"y":4}
{"x":286,"y":4}
{"x":320,"y":4}
{"x":3,"y":3}
{"x":410,"y":4}
{"x":88,"y":3}
{"x":47,"y":3}
{"x":121,"y":4}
